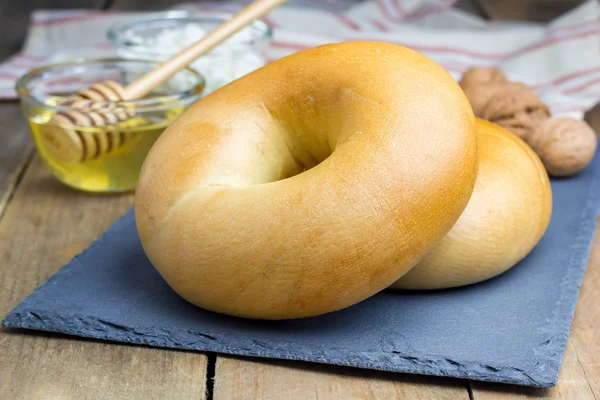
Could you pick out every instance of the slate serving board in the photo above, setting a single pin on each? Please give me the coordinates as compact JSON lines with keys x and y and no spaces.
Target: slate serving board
{"x":510,"y":329}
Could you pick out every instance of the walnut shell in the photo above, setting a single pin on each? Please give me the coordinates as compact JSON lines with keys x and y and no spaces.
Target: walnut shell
{"x":480,"y":84}
{"x":481,"y":75}
{"x":516,"y":108}
{"x":565,"y":145}
{"x":479,"y":95}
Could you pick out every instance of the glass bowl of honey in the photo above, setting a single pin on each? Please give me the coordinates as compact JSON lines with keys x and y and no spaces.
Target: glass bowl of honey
{"x":105,"y":158}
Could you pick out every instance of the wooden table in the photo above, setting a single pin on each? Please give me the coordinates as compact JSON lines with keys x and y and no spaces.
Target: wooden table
{"x":43,"y":224}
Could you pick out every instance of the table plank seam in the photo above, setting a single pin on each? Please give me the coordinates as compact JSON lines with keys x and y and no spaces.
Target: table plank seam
{"x":211,"y":365}
{"x":587,"y":380}
{"x":19,"y":173}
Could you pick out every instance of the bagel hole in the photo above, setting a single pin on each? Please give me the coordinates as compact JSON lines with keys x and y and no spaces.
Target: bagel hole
{"x":296,"y":144}
{"x":312,"y":123}
{"x":299,"y":161}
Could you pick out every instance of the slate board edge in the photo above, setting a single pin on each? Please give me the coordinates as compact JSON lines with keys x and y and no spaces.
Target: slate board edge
{"x":423,"y":365}
{"x":94,"y":328}
{"x":488,"y":373}
{"x":572,"y":281}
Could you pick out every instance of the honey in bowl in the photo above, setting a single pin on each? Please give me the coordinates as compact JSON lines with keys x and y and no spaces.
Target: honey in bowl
{"x":105,"y":157}
{"x":93,"y":167}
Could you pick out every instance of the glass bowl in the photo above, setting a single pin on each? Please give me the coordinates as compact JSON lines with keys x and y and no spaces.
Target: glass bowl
{"x":106,"y":158}
{"x":161,"y":35}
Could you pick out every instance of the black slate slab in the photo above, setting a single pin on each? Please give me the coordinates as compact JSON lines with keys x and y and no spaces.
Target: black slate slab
{"x":510,"y":329}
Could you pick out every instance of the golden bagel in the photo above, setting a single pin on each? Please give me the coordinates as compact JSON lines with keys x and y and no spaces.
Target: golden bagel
{"x":506,"y":217}
{"x":310,"y":184}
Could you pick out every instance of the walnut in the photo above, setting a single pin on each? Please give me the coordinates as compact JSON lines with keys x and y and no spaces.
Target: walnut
{"x":480,"y":95}
{"x":565,"y":145}
{"x":479,"y":85}
{"x":516,"y":108}
{"x":481,"y":75}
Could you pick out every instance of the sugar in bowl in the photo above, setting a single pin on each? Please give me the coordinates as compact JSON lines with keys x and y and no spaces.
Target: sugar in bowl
{"x":160,"y":35}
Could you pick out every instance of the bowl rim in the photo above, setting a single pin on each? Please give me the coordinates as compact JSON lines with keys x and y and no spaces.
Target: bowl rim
{"x":116,"y":30}
{"x":140,"y":105}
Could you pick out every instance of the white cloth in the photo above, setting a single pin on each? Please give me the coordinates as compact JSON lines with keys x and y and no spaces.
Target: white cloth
{"x":561,"y":60}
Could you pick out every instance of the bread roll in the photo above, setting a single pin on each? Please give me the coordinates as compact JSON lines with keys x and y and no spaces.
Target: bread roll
{"x":310,"y":184}
{"x":506,"y":217}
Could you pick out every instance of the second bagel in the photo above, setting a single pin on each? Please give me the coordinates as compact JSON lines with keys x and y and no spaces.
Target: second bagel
{"x":507,"y":215}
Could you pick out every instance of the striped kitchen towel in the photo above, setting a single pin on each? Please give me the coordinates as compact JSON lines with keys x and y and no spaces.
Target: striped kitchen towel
{"x":561,"y":60}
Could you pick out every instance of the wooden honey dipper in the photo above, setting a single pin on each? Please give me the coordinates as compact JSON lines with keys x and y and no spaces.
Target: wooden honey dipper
{"x":94,"y":107}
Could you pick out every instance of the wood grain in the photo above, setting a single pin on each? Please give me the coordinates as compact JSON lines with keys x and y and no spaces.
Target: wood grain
{"x":16,"y":144}
{"x":579,"y":377}
{"x":530,"y":10}
{"x":14,"y":18}
{"x":44,"y":225}
{"x":471,"y":6}
{"x":145,"y":5}
{"x":15,"y":150}
{"x":240,"y":379}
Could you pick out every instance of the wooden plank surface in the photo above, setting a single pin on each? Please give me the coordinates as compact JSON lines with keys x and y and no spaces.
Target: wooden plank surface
{"x":241,"y":379}
{"x":17,"y":146}
{"x":15,"y":150}
{"x":44,"y":225}
{"x":530,"y":10}
{"x":14,"y":17}
{"x":579,"y":377}
{"x":471,"y":6}
{"x":145,"y":5}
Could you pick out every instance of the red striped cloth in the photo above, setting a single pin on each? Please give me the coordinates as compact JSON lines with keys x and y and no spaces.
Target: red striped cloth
{"x":561,"y":60}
